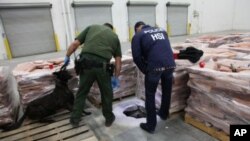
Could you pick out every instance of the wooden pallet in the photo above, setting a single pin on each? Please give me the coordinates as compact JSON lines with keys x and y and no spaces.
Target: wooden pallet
{"x":220,"y":135}
{"x":60,"y":130}
{"x":97,"y":103}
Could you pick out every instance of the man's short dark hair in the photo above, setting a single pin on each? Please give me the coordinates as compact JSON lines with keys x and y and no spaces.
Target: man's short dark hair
{"x":109,"y":25}
{"x":137,"y":24}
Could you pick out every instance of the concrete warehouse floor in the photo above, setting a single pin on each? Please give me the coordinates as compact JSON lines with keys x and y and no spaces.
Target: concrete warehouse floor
{"x":173,"y":129}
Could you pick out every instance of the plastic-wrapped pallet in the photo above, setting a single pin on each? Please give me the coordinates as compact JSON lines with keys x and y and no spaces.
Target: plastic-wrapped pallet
{"x":214,"y":41}
{"x":9,"y":99}
{"x":243,"y":47}
{"x":35,"y":79}
{"x":180,"y":90}
{"x":239,"y":42}
{"x":220,"y":94}
{"x":215,"y":53}
{"x":127,"y":82}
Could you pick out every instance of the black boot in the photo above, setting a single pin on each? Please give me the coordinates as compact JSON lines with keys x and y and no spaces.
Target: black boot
{"x":74,"y":123}
{"x":163,"y":117}
{"x":108,"y":123}
{"x":146,"y":128}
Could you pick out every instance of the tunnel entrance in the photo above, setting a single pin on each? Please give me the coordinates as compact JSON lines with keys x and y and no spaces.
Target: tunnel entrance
{"x":135,"y":111}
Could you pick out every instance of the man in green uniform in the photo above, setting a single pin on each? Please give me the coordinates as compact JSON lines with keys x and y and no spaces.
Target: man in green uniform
{"x":100,"y":45}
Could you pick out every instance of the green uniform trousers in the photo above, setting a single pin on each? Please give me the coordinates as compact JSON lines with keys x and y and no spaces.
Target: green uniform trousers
{"x":87,"y":78}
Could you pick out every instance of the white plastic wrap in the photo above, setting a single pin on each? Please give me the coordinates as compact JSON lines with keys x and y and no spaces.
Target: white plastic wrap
{"x":243,"y":47}
{"x":219,"y":46}
{"x":220,"y":98}
{"x":204,"y":39}
{"x":214,"y":41}
{"x":9,"y":99}
{"x":35,"y":79}
{"x":215,"y":53}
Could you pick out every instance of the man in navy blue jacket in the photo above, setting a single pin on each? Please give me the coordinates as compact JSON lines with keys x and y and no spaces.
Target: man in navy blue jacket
{"x":153,"y":55}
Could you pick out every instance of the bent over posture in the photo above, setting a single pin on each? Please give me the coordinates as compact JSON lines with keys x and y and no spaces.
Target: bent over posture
{"x":154,"y":57}
{"x":100,"y":44}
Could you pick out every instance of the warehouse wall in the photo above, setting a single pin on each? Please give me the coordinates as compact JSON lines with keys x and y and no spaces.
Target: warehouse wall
{"x":203,"y":15}
{"x":241,"y":15}
{"x":3,"y":54}
{"x":119,"y":17}
{"x":215,"y":15}
{"x":58,"y":23}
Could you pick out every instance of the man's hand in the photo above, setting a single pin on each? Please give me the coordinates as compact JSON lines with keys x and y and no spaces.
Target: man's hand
{"x":66,"y":61}
{"x":115,"y":82}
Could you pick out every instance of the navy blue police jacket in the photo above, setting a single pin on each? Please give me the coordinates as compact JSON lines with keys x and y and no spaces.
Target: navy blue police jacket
{"x":151,"y":49}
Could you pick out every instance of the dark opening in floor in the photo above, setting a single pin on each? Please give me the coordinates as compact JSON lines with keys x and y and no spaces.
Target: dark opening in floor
{"x":135,"y":111}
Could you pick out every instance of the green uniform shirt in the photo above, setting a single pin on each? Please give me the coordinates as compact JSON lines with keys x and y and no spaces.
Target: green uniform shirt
{"x":100,"y":40}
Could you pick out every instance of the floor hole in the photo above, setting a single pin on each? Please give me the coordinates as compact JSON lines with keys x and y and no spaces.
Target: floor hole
{"x":135,"y":111}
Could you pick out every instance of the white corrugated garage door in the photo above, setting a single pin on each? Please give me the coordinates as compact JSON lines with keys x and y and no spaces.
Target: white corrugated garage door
{"x":177,"y":19}
{"x":88,"y":13}
{"x":29,"y":28}
{"x":140,"y":11}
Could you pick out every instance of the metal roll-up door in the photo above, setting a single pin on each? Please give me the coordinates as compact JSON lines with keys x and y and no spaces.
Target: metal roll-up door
{"x":177,"y":18}
{"x":28,"y":28}
{"x":140,"y":11}
{"x":88,"y":13}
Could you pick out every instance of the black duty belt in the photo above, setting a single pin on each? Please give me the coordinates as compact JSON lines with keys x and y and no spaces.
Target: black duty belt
{"x":86,"y":63}
{"x":89,"y":64}
{"x":163,"y":68}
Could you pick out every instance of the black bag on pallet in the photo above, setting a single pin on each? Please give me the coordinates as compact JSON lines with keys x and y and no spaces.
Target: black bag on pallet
{"x":190,"y":53}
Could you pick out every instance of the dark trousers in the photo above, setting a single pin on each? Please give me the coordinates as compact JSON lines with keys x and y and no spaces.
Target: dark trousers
{"x":151,"y":82}
{"x":87,"y":78}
